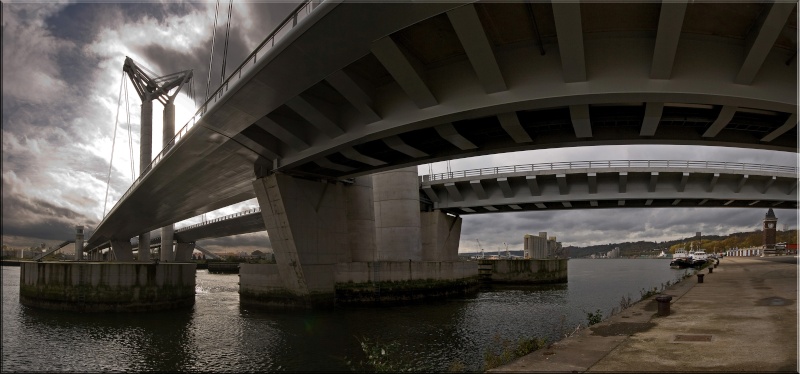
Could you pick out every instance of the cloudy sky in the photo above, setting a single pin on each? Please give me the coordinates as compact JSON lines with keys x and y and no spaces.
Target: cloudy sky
{"x":62,"y":79}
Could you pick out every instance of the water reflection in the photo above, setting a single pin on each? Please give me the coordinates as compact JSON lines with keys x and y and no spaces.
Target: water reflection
{"x":219,"y":335}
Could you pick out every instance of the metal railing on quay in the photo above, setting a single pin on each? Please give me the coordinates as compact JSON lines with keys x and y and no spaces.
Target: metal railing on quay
{"x":298,"y":14}
{"x":572,"y":165}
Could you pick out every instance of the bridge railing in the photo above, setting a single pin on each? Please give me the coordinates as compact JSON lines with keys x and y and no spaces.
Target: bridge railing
{"x":570,"y":165}
{"x":299,"y":13}
{"x":234,"y":215}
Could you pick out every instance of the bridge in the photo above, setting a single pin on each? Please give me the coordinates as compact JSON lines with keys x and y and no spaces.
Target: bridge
{"x":554,"y":75}
{"x":612,"y":184}
{"x":570,"y":185}
{"x":325,"y":121}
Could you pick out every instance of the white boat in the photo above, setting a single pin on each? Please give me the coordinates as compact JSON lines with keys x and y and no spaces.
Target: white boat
{"x":680,"y":259}
{"x":699,"y":258}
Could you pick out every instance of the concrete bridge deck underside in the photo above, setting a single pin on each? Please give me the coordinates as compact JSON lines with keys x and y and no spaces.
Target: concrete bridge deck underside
{"x":387,"y":85}
{"x":579,"y":188}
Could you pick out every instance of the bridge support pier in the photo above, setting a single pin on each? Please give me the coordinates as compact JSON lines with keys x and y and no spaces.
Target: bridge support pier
{"x":307,"y":226}
{"x":168,"y":133}
{"x":397,"y":218}
{"x":167,"y":254}
{"x":107,"y":287}
{"x":357,"y":243}
{"x":122,"y":250}
{"x":440,"y":236}
{"x":183,"y":252}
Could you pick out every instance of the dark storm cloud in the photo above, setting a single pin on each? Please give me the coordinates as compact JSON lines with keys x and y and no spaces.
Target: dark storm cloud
{"x":36,"y":218}
{"x":82,"y":21}
{"x":250,"y":24}
{"x":61,"y":72}
{"x":166,"y":61}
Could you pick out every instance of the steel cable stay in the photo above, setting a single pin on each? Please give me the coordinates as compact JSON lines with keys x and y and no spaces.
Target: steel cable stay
{"x":225,"y":50}
{"x":130,"y":137}
{"x":211,"y":57}
{"x":113,"y":143}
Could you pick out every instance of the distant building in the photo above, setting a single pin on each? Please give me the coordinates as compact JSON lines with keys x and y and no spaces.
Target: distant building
{"x":541,"y":247}
{"x":770,"y":232}
{"x":20,"y":253}
{"x":614,"y":253}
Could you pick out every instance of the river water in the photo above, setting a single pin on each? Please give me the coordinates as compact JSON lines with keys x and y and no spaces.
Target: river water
{"x":218,"y":335}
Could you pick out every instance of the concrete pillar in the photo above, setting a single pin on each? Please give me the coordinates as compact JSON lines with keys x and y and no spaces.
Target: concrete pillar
{"x":145,"y":156}
{"x":361,"y":220}
{"x":307,"y":225}
{"x":167,"y":253}
{"x":440,"y":236}
{"x":122,"y":250}
{"x":397,"y":215}
{"x":78,"y":242}
{"x":183,"y":252}
{"x":169,"y":125}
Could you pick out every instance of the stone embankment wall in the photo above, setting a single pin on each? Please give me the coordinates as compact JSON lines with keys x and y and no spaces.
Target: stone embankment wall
{"x":528,"y":271}
{"x":107,"y":286}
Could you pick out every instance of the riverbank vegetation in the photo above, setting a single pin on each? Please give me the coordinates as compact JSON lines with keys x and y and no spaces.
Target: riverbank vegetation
{"x":709,"y":243}
{"x":383,"y":357}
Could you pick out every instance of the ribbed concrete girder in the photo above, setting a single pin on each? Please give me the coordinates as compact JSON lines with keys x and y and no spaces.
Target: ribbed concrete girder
{"x":652,"y":116}
{"x":394,"y":142}
{"x":355,"y":94}
{"x":570,"y":40}
{"x":285,"y":134}
{"x":617,"y":69}
{"x":768,"y":32}
{"x":670,"y":23}
{"x":404,"y":72}
{"x":790,"y":123}
{"x":315,"y":115}
{"x":470,"y":32}
{"x":663,"y":187}
{"x":477,"y":187}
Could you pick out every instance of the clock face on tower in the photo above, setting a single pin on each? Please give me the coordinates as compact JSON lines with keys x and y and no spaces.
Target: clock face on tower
{"x":770,"y":225}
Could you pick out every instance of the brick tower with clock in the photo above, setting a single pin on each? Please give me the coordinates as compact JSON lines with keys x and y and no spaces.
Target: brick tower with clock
{"x":770,"y":228}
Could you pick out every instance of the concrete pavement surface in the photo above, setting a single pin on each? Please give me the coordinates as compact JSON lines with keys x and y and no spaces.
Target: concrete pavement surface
{"x":742,"y":318}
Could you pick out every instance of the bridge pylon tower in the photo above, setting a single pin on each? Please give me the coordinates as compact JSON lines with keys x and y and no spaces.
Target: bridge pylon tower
{"x":165,"y":88}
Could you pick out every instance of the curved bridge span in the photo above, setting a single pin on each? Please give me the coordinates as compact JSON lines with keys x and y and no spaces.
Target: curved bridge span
{"x":572,"y":185}
{"x":612,"y":184}
{"x":357,"y":88}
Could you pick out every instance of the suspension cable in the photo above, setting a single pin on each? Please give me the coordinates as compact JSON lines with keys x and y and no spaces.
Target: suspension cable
{"x":211,"y":59}
{"x":130,"y":137}
{"x":225,"y":51}
{"x":113,"y":143}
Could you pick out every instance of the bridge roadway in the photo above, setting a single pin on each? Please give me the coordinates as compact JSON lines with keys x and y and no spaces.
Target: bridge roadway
{"x":579,"y":185}
{"x":612,"y":184}
{"x":357,"y":88}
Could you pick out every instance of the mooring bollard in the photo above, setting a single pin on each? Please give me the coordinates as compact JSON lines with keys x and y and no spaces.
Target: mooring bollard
{"x":700,"y":278}
{"x":710,"y":270}
{"x":663,"y":304}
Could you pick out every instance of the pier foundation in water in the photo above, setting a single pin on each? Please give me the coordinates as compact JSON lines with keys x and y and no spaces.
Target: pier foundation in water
{"x":107,"y":286}
{"x":383,"y":282}
{"x":528,"y":271}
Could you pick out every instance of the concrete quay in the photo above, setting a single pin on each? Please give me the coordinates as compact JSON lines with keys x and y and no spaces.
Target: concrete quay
{"x":742,"y":318}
